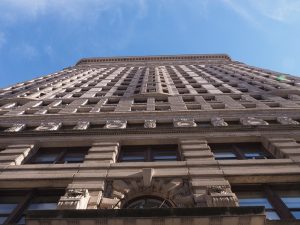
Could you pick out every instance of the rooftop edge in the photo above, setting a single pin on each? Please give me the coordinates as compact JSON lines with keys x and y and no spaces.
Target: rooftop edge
{"x":154,"y":58}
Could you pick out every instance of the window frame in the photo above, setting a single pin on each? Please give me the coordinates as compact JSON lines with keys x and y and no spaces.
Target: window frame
{"x":60,"y":152}
{"x":29,"y":195}
{"x":270,"y":193}
{"x":148,"y":152}
{"x":237,"y":150}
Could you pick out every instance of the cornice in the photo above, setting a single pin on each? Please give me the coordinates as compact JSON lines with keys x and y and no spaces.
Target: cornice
{"x":129,"y":131}
{"x":137,"y":59}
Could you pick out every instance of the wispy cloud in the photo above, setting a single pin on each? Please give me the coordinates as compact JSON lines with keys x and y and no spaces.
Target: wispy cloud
{"x":12,"y":10}
{"x":241,"y":10}
{"x":278,"y":10}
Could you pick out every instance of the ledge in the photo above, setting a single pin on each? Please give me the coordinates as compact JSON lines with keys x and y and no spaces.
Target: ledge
{"x":154,"y":58}
{"x":138,"y":213}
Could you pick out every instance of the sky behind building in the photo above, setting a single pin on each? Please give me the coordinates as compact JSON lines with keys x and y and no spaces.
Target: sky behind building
{"x":38,"y":37}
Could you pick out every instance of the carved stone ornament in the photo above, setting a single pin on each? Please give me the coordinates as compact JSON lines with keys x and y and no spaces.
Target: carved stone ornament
{"x":175,"y":190}
{"x":218,"y":122}
{"x":184,"y":122}
{"x":48,"y":126}
{"x":150,"y":124}
{"x":116,"y":124}
{"x":286,"y":120}
{"x":82,"y":125}
{"x":74,"y":199}
{"x":16,"y":127}
{"x":220,"y":196}
{"x":252,"y":121}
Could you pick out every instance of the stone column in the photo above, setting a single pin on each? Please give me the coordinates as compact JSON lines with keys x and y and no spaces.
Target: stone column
{"x":283,"y":147}
{"x":209,"y":186}
{"x":102,"y":152}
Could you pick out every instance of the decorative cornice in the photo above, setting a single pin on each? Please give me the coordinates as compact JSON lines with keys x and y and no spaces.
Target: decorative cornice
{"x":154,"y":58}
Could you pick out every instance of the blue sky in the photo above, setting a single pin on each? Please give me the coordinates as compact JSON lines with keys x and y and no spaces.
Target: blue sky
{"x":38,"y":37}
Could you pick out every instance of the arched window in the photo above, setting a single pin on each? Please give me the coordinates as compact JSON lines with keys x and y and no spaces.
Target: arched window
{"x":147,"y":202}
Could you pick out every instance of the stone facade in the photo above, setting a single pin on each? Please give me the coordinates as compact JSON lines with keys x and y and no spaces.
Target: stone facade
{"x":190,"y":101}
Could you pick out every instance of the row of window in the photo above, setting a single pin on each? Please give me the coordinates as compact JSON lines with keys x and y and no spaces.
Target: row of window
{"x":149,"y":153}
{"x":279,"y":202}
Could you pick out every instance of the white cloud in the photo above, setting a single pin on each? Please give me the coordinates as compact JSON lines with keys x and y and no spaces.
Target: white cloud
{"x":241,"y":11}
{"x":278,"y":10}
{"x":13,"y":10}
{"x":2,"y":39}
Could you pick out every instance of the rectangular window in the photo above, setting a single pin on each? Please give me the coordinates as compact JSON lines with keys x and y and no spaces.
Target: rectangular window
{"x":240,"y":151}
{"x":59,"y":155}
{"x":14,"y":203}
{"x":148,"y":153}
{"x":280,"y":202}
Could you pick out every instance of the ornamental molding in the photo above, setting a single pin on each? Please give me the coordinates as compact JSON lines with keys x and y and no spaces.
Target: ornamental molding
{"x":184,"y":122}
{"x":137,"y":59}
{"x":74,"y":199}
{"x":253,"y":121}
{"x":115,"y":124}
{"x":120,"y":191}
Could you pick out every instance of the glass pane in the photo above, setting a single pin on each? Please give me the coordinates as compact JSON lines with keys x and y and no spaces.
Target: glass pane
{"x":42,"y":206}
{"x":147,"y":203}
{"x":2,"y":219}
{"x":271,"y":215}
{"x":296,"y":214}
{"x":224,"y":155}
{"x":6,"y":208}
{"x":133,"y":156}
{"x":73,"y":157}
{"x":291,"y":202}
{"x":45,"y":158}
{"x":164,"y":156}
{"x":254,"y":155}
{"x":22,"y":220}
{"x":255,"y":202}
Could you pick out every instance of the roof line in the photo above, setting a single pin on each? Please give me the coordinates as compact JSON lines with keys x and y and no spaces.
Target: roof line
{"x":154,"y":58}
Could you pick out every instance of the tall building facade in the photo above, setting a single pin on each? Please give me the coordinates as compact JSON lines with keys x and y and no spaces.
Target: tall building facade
{"x":156,"y":140}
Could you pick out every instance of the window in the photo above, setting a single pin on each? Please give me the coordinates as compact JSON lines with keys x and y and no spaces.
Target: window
{"x":279,"y":202}
{"x":13,"y":204}
{"x":149,"y":153}
{"x":147,"y":202}
{"x":59,"y":155}
{"x":240,"y":151}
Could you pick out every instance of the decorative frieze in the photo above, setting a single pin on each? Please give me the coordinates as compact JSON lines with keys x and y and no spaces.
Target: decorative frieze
{"x":252,"y":121}
{"x":218,"y":122}
{"x":177,"y":190}
{"x":220,"y":196}
{"x":116,"y":124}
{"x":49,"y":126}
{"x":150,"y":124}
{"x":184,"y":122}
{"x":74,"y":199}
{"x":16,"y":127}
{"x":286,"y":120}
{"x":82,"y":125}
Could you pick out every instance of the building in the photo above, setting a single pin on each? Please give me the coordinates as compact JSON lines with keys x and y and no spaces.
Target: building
{"x":156,"y":140}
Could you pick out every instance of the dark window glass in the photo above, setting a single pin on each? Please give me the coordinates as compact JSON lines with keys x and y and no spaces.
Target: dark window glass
{"x":59,"y":155}
{"x":279,"y":202}
{"x":240,"y":151}
{"x":224,"y":155}
{"x":148,"y":153}
{"x":147,"y":203}
{"x":13,"y":204}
